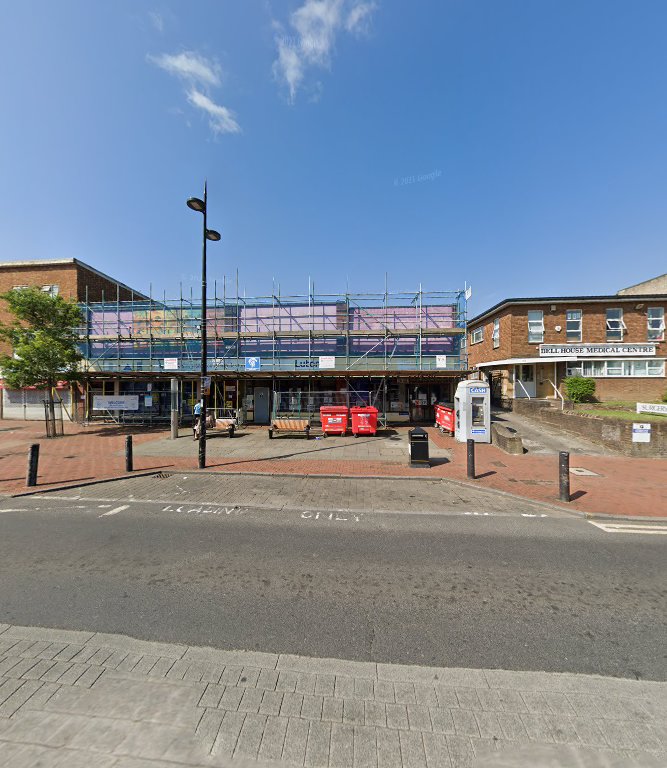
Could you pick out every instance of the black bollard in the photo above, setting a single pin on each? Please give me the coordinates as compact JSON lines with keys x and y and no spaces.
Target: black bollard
{"x":564,"y":475}
{"x":471,"y":459}
{"x":33,"y":459}
{"x":128,"y":454}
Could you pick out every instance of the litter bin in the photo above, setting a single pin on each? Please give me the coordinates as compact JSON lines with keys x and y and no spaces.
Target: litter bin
{"x":364,"y":420}
{"x":418,"y":447}
{"x":444,"y":418}
{"x":334,"y":419}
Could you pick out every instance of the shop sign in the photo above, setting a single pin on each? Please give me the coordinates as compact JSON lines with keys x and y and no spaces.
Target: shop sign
{"x":305,"y":364}
{"x":327,"y":362}
{"x":652,"y":408}
{"x":597,"y":350}
{"x":116,"y":403}
{"x":441,"y":361}
{"x":171,"y":363}
{"x":641,"y":433}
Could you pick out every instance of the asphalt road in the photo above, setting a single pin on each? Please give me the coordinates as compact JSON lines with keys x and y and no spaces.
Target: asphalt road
{"x":512,"y":592}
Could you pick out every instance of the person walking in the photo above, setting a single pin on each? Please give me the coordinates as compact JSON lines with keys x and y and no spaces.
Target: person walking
{"x":197,"y":422}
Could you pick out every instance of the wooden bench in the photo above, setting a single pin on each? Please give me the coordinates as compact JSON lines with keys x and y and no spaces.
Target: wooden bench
{"x":290,"y":425}
{"x":225,"y":425}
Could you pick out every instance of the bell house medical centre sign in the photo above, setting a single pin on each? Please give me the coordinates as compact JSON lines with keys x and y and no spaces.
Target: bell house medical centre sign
{"x":597,"y":350}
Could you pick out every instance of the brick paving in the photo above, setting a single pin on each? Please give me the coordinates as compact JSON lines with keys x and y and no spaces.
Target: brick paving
{"x":621,"y":486}
{"x":82,"y":698}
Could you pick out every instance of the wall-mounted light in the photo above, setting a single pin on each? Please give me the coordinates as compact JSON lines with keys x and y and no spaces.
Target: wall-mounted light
{"x":639,"y":306}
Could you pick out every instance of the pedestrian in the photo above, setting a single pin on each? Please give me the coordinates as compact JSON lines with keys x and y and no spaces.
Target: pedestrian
{"x":197,"y":422}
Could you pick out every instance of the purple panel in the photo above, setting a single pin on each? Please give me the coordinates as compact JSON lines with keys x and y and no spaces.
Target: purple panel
{"x":401,"y":318}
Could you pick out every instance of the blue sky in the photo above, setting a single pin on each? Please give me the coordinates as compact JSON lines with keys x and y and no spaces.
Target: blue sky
{"x":518,"y":145}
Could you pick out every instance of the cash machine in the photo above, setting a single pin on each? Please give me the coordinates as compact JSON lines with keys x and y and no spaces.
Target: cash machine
{"x":472,"y":412}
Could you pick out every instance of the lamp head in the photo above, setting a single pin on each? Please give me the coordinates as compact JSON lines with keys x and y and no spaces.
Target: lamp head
{"x":196,"y":204}
{"x":211,"y":234}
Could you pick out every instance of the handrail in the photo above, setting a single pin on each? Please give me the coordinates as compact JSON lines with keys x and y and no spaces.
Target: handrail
{"x":518,"y":381}
{"x":558,"y":392}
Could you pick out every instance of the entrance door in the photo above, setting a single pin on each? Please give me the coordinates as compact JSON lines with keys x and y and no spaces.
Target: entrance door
{"x":261,"y":405}
{"x":525,"y":381}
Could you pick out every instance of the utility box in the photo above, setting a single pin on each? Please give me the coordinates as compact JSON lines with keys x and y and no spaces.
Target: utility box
{"x":472,"y":410}
{"x":418,"y":447}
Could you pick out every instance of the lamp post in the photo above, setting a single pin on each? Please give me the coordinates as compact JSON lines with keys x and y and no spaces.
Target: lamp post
{"x":208,"y":234}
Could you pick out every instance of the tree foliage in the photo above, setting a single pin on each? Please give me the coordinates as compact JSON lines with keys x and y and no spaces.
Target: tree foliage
{"x":580,"y":389}
{"x":43,"y":338}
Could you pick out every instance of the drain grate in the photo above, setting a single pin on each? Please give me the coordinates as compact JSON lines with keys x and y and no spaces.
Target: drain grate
{"x":163,"y":475}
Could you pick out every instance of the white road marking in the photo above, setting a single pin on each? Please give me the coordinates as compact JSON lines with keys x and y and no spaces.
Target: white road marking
{"x":530,"y":514}
{"x":12,"y":510}
{"x":103,"y":506}
{"x":334,"y":516}
{"x":114,"y":511}
{"x":649,"y":530}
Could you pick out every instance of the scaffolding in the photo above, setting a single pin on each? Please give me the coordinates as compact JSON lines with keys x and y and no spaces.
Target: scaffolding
{"x":304,"y":335}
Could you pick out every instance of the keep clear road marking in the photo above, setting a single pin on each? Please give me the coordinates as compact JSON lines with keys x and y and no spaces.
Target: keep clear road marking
{"x":114,"y":511}
{"x":649,"y":530}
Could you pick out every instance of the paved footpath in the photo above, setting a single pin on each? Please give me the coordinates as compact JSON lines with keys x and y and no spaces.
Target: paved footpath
{"x":81,"y":699}
{"x":611,"y":485}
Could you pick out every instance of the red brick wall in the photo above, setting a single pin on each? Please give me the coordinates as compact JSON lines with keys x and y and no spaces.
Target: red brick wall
{"x":484,"y":351}
{"x":71,"y":280}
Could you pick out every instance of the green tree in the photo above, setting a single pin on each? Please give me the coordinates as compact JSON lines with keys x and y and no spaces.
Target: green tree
{"x":44,"y":340}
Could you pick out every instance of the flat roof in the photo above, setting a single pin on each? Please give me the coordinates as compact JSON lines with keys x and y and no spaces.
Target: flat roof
{"x":636,"y":298}
{"x":65,"y":262}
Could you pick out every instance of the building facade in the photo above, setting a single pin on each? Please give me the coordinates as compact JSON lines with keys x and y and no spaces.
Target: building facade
{"x":526,"y":347}
{"x":280,"y":355}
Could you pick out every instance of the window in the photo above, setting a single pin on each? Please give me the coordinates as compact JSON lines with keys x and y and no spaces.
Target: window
{"x":19,"y":287}
{"x":655,"y":319}
{"x":527,"y":373}
{"x":496,"y":333}
{"x":535,"y":326}
{"x":573,"y":324}
{"x":477,"y":335}
{"x":52,"y":290}
{"x":615,"y":325}
{"x":616,"y":368}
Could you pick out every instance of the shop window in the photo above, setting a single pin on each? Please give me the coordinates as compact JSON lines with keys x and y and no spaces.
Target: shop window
{"x":574,"y":369}
{"x":535,"y":326}
{"x":634,"y":367}
{"x":573,"y":324}
{"x":656,"y":368}
{"x":477,"y":335}
{"x":615,"y":325}
{"x":655,"y":320}
{"x":594,"y":368}
{"x":496,"y":333}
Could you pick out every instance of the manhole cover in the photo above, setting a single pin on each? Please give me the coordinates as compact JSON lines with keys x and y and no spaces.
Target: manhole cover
{"x":582,"y":471}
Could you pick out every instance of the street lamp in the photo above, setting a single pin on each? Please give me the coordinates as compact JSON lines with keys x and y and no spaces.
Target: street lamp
{"x":195,"y":204}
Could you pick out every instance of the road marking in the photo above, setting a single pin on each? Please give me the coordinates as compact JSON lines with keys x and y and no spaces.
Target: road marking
{"x":204,"y":510}
{"x":12,"y":510}
{"x":530,"y":514}
{"x":114,"y":511}
{"x":334,"y":516}
{"x":103,"y":506}
{"x":649,"y":530}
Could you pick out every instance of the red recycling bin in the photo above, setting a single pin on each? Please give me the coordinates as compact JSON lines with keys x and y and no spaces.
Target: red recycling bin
{"x":364,"y":420}
{"x":444,"y":418}
{"x":334,"y":419}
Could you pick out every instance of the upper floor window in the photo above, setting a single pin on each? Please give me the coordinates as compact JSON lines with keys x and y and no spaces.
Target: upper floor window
{"x":535,"y":326}
{"x":573,"y":324}
{"x":19,"y":287}
{"x":52,"y":290}
{"x":496,"y":333}
{"x":477,"y":335}
{"x":655,"y":319}
{"x":615,"y":325}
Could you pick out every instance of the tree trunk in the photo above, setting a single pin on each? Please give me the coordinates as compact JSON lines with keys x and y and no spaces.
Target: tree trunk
{"x":51,"y":417}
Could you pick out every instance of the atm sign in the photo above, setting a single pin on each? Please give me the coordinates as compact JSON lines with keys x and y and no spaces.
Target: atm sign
{"x":478,"y":390}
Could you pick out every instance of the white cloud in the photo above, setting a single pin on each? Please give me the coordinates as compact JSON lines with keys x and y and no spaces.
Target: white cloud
{"x":221,"y":119}
{"x":199,"y":74}
{"x":316,"y":24}
{"x":189,"y":66}
{"x":359,"y":17}
{"x":156,"y":20}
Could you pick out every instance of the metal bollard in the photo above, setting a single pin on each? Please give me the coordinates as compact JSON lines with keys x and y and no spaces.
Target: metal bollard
{"x":471,"y":459}
{"x":564,"y":475}
{"x":128,"y":454}
{"x":33,"y":459}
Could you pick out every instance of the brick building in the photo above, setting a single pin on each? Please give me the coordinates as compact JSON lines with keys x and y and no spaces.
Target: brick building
{"x":527,"y":346}
{"x":70,"y":278}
